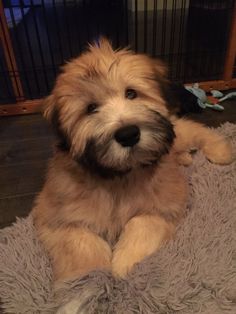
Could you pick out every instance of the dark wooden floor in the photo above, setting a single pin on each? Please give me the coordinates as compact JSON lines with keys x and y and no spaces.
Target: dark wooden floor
{"x":26,"y":144}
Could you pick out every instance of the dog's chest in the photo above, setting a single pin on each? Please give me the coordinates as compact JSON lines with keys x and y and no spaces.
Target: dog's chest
{"x":113,"y":208}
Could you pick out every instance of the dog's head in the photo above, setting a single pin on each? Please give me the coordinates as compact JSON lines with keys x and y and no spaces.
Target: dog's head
{"x":109,"y":110}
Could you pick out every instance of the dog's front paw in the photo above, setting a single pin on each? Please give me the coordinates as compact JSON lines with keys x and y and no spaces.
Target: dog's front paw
{"x":123,"y":262}
{"x":120,"y":269}
{"x":219,"y":152}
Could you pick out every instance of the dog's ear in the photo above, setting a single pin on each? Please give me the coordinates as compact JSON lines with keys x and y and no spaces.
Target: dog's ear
{"x":52,"y":114}
{"x":161,"y":75}
{"x":160,"y":68}
{"x":177,"y":99}
{"x":49,"y":107}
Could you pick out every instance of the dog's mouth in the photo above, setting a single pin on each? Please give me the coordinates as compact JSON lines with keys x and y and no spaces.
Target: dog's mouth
{"x":90,"y":161}
{"x":95,"y":166}
{"x":113,"y":158}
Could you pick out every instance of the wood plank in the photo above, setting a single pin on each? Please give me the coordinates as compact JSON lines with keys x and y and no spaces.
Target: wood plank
{"x":219,"y":85}
{"x":19,"y":206}
{"x":21,"y":151}
{"x":22,"y":107}
{"x":23,"y":119}
{"x":24,"y":127}
{"x":22,"y":179}
{"x":36,"y":106}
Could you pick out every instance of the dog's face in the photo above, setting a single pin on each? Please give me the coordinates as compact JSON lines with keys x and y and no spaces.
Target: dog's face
{"x":109,"y":110}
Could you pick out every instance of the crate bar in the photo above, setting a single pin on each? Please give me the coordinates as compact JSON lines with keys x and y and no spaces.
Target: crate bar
{"x":172,"y":37}
{"x":48,"y":38}
{"x":231,"y":49}
{"x":39,"y":45}
{"x":10,"y":56}
{"x":154,"y":28}
{"x":76,"y":21}
{"x":163,"y":28}
{"x":136,"y":24}
{"x":67,"y":28}
{"x":30,"y":49}
{"x":126,"y":8}
{"x":181,"y":39}
{"x":59,"y":39}
{"x":5,"y":73}
{"x":145,"y":17}
{"x":18,"y":43}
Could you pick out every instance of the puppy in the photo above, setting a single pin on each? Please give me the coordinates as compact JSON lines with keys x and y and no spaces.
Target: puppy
{"x":114,"y":191}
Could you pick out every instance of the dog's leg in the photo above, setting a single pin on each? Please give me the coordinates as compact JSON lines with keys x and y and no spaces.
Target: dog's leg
{"x":142,"y":236}
{"x":190,"y":134}
{"x":75,"y":252}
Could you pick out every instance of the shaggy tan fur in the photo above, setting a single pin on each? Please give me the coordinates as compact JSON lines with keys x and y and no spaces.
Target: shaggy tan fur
{"x":86,"y":219}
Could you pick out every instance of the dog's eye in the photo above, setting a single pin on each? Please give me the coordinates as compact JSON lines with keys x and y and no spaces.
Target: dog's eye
{"x":92,"y":108}
{"x":130,"y":93}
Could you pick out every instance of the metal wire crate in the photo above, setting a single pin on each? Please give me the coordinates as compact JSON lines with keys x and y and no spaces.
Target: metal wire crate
{"x":194,"y":37}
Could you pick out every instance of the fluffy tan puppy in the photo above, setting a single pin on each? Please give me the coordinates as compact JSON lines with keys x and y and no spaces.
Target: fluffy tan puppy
{"x":114,"y":191}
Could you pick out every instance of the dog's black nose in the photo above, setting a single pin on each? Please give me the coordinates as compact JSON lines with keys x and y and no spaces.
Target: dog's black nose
{"x":128,"y":135}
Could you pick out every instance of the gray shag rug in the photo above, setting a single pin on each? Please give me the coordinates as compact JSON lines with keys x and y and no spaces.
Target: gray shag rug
{"x":194,"y":273}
